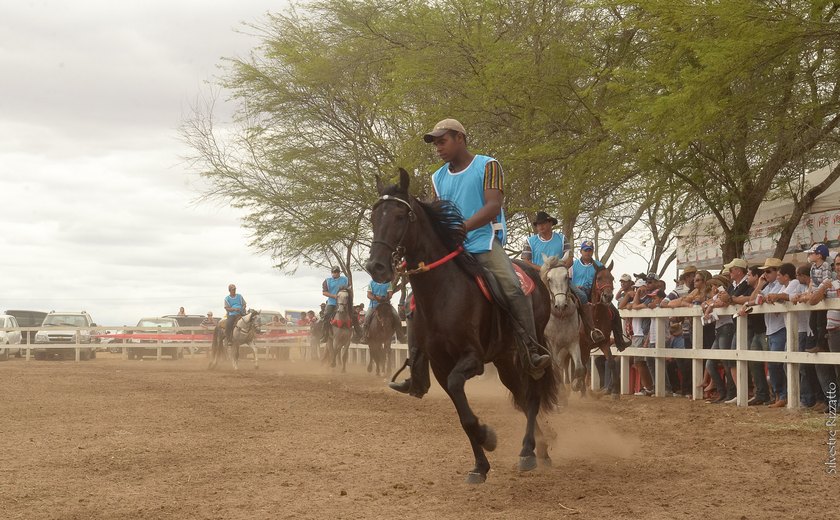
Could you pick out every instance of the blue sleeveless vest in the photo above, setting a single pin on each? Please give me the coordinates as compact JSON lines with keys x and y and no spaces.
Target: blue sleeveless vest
{"x":465,"y":189}
{"x":553,"y":247}
{"x":583,"y":276}
{"x":378,"y":289}
{"x":333,"y":285}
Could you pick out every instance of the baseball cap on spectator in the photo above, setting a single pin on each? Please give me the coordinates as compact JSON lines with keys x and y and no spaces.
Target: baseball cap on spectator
{"x":336,"y":269}
{"x":651,"y":276}
{"x":820,"y":249}
{"x":773,"y":263}
{"x":625,"y":278}
{"x":587,"y":245}
{"x":639,"y":283}
{"x":638,"y":276}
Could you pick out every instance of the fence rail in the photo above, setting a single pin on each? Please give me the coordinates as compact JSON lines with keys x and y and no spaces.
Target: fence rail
{"x":790,"y":357}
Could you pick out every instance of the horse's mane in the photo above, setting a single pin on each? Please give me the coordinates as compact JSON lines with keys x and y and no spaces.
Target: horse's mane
{"x":448,"y":224}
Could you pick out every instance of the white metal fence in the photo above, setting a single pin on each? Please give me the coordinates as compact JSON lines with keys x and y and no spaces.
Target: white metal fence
{"x":791,"y":357}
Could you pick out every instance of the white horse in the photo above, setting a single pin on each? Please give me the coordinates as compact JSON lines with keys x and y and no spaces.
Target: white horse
{"x":562,"y":333}
{"x":244,"y":334}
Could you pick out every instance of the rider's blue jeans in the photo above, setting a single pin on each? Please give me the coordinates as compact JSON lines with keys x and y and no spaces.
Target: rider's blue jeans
{"x":582,"y":296}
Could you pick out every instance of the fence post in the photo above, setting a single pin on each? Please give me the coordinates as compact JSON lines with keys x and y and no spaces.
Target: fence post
{"x":659,"y":361}
{"x":742,"y":367}
{"x":594,"y":375}
{"x":78,"y":343}
{"x":159,"y":350}
{"x":792,"y":345}
{"x":697,"y":364}
{"x":28,"y":346}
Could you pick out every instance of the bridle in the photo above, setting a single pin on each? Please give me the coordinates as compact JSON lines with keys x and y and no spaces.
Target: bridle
{"x":551,"y":293}
{"x":398,"y":250}
{"x":250,"y":320}
{"x":398,"y":263}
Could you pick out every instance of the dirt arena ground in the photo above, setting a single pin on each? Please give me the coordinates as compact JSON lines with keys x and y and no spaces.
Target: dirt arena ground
{"x":145,"y":439}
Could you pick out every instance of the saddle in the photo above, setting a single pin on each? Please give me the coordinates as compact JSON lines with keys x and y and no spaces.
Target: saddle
{"x":490,"y":286}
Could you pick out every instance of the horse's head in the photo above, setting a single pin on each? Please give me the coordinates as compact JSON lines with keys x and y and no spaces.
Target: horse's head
{"x":555,"y":276}
{"x":391,"y":219}
{"x":602,"y":289}
{"x":342,"y":298}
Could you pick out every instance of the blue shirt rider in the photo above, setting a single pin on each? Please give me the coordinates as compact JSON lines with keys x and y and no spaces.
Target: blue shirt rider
{"x":381,"y":293}
{"x":474,"y":184}
{"x":330,"y":288}
{"x":582,"y":274}
{"x":235,"y":308}
{"x":546,"y":242}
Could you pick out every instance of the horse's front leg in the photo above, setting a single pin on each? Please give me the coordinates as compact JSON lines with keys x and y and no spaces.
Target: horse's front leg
{"x":344,"y":355}
{"x":527,"y":457}
{"x":579,"y":371}
{"x":481,"y":436}
{"x":233,"y":352}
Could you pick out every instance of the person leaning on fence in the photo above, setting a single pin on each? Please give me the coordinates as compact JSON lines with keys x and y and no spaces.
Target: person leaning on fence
{"x":724,"y":334}
{"x":756,"y":339}
{"x":821,"y":270}
{"x":209,"y":321}
{"x":799,"y":290}
{"x":829,"y":290}
{"x":775,"y":321}
{"x":641,"y":328}
{"x":654,"y":300}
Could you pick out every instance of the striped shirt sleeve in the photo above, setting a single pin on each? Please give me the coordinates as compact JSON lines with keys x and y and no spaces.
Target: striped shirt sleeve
{"x":493,"y":176}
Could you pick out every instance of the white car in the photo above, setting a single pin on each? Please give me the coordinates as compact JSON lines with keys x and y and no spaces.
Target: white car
{"x":8,"y":337}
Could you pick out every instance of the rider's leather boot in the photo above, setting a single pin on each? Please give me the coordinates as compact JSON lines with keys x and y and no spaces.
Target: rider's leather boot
{"x":588,"y":325}
{"x":621,"y":341}
{"x":539,"y":360}
{"x":402,"y":387}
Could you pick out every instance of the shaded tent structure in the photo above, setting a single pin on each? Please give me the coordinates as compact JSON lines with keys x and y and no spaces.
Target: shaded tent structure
{"x":699,"y":242}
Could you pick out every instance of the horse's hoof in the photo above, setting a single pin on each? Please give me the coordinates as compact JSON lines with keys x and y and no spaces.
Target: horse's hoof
{"x":575,"y":385}
{"x":474,"y":477}
{"x":489,"y":443}
{"x":616,"y":397}
{"x":527,"y":463}
{"x":546,"y":462}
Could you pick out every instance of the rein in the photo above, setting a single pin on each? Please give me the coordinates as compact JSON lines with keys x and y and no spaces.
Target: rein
{"x":398,"y":263}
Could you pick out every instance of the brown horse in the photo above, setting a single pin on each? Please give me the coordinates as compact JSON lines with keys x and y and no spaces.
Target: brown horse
{"x":383,"y":325}
{"x":601,"y":296}
{"x":456,"y":328}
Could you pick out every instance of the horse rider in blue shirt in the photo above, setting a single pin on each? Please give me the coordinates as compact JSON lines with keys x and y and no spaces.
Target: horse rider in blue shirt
{"x":474,"y":184}
{"x":235,"y":308}
{"x":380,"y":293}
{"x":582,"y":278}
{"x":330,"y":288}
{"x":552,"y":243}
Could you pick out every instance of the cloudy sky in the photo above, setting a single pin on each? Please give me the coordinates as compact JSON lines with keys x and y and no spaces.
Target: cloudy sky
{"x":99,"y":212}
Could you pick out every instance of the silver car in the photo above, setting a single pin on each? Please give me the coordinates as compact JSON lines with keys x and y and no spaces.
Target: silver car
{"x":9,"y":337}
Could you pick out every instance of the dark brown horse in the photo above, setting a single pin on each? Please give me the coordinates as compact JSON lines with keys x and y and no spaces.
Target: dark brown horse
{"x":601,"y":296}
{"x":455,"y":326}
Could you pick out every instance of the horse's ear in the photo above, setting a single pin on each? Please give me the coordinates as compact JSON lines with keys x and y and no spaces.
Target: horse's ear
{"x":545,"y":258}
{"x":609,"y":267}
{"x":380,"y":186}
{"x":404,"y":180}
{"x":566,"y":256}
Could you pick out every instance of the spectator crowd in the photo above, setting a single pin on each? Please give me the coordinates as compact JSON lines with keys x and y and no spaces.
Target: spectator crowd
{"x":742,"y":286}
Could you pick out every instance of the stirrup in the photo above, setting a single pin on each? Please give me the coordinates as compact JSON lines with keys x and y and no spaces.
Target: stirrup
{"x":594,"y":335}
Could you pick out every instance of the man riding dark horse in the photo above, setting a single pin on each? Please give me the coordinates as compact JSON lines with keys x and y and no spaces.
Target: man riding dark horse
{"x":474,"y":185}
{"x":330,"y":289}
{"x":379,"y":295}
{"x":583,"y":278}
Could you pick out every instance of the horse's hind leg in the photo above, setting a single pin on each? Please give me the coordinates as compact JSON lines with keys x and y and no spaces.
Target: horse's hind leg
{"x":344,"y":355}
{"x":578,"y":371}
{"x":528,"y":398}
{"x":481,"y":436}
{"x":256,"y":357}
{"x":545,"y":435}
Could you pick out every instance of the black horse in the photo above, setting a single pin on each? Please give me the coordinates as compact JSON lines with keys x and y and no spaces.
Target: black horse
{"x":454,"y":325}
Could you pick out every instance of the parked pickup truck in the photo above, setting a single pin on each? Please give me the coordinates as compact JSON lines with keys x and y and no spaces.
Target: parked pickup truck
{"x":62,"y":327}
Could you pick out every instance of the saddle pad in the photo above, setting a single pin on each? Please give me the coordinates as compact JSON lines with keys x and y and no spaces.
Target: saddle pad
{"x":525,"y":282}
